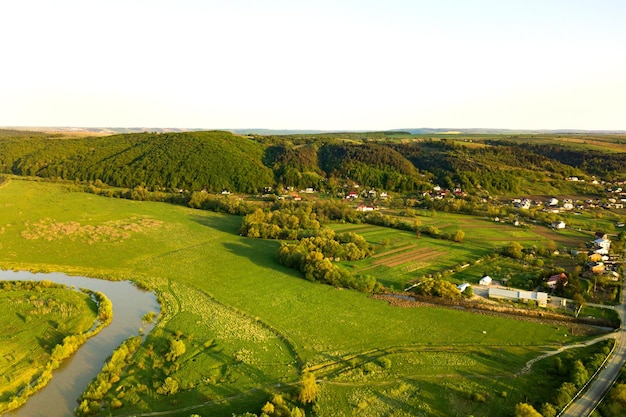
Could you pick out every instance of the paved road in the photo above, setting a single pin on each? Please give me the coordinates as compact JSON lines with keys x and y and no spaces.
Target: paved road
{"x":586,"y":403}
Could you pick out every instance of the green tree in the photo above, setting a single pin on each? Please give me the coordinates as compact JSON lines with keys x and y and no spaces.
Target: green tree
{"x":526,"y":410}
{"x":513,"y":250}
{"x":548,"y":410}
{"x":309,"y":389}
{"x":459,"y":236}
{"x":268,"y":408}
{"x":169,"y":387}
{"x":579,"y":374}
{"x":579,"y":303}
{"x":618,"y":393}
{"x":177,"y":349}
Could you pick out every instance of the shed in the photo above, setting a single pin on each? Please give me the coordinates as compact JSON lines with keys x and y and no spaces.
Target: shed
{"x":462,"y":287}
{"x":486,"y":280}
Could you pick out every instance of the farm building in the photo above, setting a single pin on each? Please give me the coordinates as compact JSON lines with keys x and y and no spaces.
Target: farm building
{"x":518,"y":295}
{"x":462,"y":287}
{"x":486,"y":280}
{"x":558,"y":225}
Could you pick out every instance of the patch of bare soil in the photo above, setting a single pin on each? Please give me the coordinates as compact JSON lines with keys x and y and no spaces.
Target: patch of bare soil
{"x":558,"y":238}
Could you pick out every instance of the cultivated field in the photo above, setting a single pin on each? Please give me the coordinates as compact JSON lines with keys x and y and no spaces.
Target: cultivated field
{"x":401,"y":257}
{"x":251,"y":326}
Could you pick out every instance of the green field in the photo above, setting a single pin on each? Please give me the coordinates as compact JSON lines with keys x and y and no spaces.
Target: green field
{"x":249,"y":323}
{"x":33,"y":320}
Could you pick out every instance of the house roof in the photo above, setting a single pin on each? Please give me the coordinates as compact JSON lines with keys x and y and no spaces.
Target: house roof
{"x":557,"y":277}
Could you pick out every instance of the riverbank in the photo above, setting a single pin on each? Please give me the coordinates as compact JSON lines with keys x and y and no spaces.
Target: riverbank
{"x":128,"y":305}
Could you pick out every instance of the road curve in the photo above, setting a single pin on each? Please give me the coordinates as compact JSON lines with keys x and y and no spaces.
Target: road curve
{"x":589,"y":400}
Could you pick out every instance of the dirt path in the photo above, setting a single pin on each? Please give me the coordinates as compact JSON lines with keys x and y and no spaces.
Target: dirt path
{"x":526,"y":369}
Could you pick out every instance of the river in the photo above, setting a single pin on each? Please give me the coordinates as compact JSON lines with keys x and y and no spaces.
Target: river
{"x":130,"y":304}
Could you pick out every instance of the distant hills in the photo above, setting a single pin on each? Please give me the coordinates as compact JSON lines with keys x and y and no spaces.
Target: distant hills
{"x":485,"y":164}
{"x":263,"y":131}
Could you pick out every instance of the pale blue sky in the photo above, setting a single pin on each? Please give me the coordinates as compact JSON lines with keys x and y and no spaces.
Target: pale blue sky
{"x":358,"y":65}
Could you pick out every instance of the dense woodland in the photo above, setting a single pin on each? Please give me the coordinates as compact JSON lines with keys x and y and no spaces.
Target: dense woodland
{"x":216,"y":161}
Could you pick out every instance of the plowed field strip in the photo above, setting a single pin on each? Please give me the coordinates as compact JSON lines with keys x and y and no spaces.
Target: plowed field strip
{"x":505,"y":239}
{"x":422,"y":254}
{"x":358,"y":229}
{"x":417,"y":259}
{"x":378,"y":255}
{"x":485,"y":226}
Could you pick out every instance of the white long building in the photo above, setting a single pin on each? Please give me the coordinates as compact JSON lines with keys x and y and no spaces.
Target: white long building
{"x":519,"y":295}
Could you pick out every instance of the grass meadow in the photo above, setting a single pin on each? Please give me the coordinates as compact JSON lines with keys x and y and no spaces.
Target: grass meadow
{"x":32,"y":323}
{"x":251,"y":326}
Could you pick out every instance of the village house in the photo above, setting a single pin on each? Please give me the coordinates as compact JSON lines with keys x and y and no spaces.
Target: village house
{"x":363,"y":208}
{"x":485,"y":281}
{"x":522,"y":204}
{"x":558,"y":225}
{"x":554,"y":280}
{"x":602,"y":244}
{"x":596,"y":267}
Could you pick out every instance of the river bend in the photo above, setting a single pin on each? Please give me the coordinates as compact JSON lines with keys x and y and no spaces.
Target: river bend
{"x":130,"y":304}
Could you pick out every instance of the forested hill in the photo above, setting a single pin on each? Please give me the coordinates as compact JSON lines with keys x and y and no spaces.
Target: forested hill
{"x":390,"y":161}
{"x":192,"y":160}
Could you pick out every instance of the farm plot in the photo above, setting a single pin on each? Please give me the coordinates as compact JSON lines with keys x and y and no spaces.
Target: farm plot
{"x":419,"y":255}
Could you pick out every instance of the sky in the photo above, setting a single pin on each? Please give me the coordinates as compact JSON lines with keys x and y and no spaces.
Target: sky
{"x":317,"y":64}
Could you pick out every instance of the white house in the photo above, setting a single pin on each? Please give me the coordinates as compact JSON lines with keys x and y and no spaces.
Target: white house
{"x":486,"y":280}
{"x":602,"y":244}
{"x":462,"y":287}
{"x":559,"y":225}
{"x":553,"y":202}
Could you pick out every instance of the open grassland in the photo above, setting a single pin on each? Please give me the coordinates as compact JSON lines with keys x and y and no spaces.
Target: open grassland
{"x":32,"y":323}
{"x":248,"y":323}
